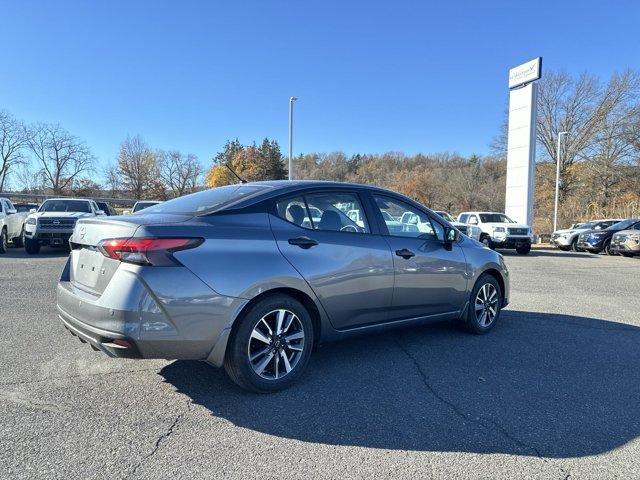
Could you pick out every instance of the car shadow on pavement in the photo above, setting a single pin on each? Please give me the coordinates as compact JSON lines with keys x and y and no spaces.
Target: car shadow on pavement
{"x":538,"y":385}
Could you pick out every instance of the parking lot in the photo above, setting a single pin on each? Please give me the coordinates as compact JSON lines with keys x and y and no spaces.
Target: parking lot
{"x":551,"y":392}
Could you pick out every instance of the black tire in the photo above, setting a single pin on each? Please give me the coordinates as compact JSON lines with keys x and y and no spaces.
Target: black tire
{"x":563,"y":248}
{"x":523,"y":250}
{"x":472,"y":322}
{"x":3,"y":241}
{"x":486,"y":241}
{"x":607,"y":248}
{"x":626,"y":254}
{"x":32,"y":247}
{"x":17,"y":242}
{"x":574,"y":245}
{"x":237,"y":363}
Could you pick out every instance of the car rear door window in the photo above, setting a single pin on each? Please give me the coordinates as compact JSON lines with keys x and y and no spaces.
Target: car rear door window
{"x":404,"y":220}
{"x":332,"y":211}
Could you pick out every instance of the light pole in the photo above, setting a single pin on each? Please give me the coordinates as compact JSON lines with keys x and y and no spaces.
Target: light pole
{"x":555,"y":208}
{"x":291,"y":100}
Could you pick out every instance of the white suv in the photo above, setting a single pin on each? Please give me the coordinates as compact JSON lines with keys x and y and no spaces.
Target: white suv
{"x":499,"y":231}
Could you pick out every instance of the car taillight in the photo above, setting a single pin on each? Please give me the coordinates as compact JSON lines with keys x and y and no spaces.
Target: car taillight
{"x":147,"y":251}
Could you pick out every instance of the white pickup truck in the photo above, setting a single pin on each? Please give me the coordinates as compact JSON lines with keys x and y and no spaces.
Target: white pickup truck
{"x":53,"y":223}
{"x":499,"y":231}
{"x":11,"y":224}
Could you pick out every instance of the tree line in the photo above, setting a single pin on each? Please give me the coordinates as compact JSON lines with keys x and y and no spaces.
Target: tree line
{"x":599,"y":160}
{"x":47,"y":158}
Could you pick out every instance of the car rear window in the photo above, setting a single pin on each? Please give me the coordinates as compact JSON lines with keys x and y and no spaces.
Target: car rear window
{"x":207,"y":201}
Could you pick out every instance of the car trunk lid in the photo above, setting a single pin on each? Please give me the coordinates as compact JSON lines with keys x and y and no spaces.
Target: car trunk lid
{"x":90,"y":269}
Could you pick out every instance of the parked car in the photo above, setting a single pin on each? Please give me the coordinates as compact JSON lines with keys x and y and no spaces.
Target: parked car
{"x":233,"y":277}
{"x":106,"y":208}
{"x":26,"y":207}
{"x":568,"y":239}
{"x":499,"y":231}
{"x":470,"y":231}
{"x":54,"y":221}
{"x":596,"y":241}
{"x":626,"y":242}
{"x":11,"y":225}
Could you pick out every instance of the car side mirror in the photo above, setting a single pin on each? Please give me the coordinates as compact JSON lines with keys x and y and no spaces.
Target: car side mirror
{"x":473,"y":221}
{"x":126,"y":212}
{"x":451,"y":235}
{"x":32,"y":210}
{"x":11,"y":211}
{"x":100,"y":212}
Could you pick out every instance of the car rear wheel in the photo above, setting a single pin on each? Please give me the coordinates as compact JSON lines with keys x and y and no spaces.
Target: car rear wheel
{"x":270,"y":345}
{"x":31,"y":247}
{"x":484,"y":305}
{"x":3,"y":241}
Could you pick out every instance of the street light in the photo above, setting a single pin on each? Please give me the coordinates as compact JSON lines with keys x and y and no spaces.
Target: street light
{"x":291,"y":100}
{"x":555,"y":208}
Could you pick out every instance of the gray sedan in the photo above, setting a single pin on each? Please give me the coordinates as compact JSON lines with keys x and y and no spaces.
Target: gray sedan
{"x":253,"y":276}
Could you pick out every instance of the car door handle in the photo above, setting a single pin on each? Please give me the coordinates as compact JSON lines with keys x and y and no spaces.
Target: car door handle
{"x":405,"y":253}
{"x":303,"y":242}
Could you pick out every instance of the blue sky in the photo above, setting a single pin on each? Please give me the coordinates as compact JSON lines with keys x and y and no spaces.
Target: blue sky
{"x":371,"y":76}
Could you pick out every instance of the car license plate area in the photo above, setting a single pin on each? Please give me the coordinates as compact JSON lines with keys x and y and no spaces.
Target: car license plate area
{"x":87,"y":266}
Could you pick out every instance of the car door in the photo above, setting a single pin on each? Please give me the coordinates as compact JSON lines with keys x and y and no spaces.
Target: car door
{"x":430,"y":276}
{"x":11,"y":218}
{"x":349,"y":269}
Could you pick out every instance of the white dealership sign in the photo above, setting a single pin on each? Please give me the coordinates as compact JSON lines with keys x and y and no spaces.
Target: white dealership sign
{"x":521,"y":141}
{"x":525,"y":73}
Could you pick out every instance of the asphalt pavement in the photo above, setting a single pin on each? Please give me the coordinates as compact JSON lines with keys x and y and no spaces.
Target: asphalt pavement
{"x":552,"y":392}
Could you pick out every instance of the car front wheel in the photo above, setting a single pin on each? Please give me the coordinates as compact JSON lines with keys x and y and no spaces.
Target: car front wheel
{"x":270,"y":345}
{"x":32,"y":247}
{"x":484,"y":305}
{"x":486,"y":241}
{"x":524,"y":249}
{"x":3,"y":241}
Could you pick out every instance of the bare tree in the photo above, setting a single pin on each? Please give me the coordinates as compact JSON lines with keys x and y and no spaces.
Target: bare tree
{"x":137,"y":167}
{"x":580,"y":107}
{"x":179,"y":173}
{"x":13,"y":140}
{"x":60,"y":156}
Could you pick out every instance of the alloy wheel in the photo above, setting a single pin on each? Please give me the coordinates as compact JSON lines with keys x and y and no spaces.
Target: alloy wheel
{"x":276,"y":344}
{"x":486,"y":305}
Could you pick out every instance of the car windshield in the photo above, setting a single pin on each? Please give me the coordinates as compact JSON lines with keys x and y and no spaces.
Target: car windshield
{"x":495,"y":218}
{"x":624,"y":224}
{"x":446,"y":216}
{"x":206,"y":201}
{"x":65,"y":206}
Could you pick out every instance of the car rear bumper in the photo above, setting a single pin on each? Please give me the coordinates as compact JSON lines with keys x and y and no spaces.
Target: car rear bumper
{"x":152,"y":312}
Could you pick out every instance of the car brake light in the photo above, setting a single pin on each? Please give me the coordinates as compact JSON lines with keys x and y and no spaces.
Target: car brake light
{"x":147,"y":251}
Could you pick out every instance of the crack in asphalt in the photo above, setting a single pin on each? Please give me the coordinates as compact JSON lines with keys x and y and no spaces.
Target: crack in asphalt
{"x":78,"y":375}
{"x":482,"y":421}
{"x":160,"y":440}
{"x":461,"y":413}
